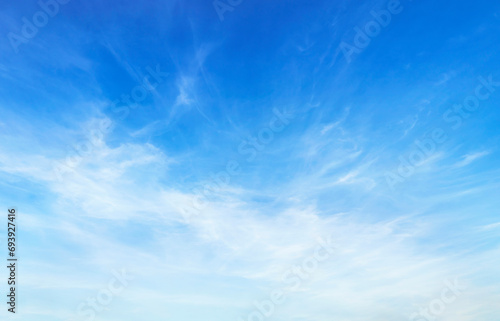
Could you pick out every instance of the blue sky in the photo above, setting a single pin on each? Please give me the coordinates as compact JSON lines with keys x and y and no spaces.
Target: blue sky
{"x":207,"y":149}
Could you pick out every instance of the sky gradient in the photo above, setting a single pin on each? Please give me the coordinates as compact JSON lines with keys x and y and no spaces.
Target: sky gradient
{"x":252,"y":160}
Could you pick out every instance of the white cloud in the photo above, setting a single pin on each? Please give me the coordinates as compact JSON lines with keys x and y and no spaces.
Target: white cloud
{"x":469,"y":158}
